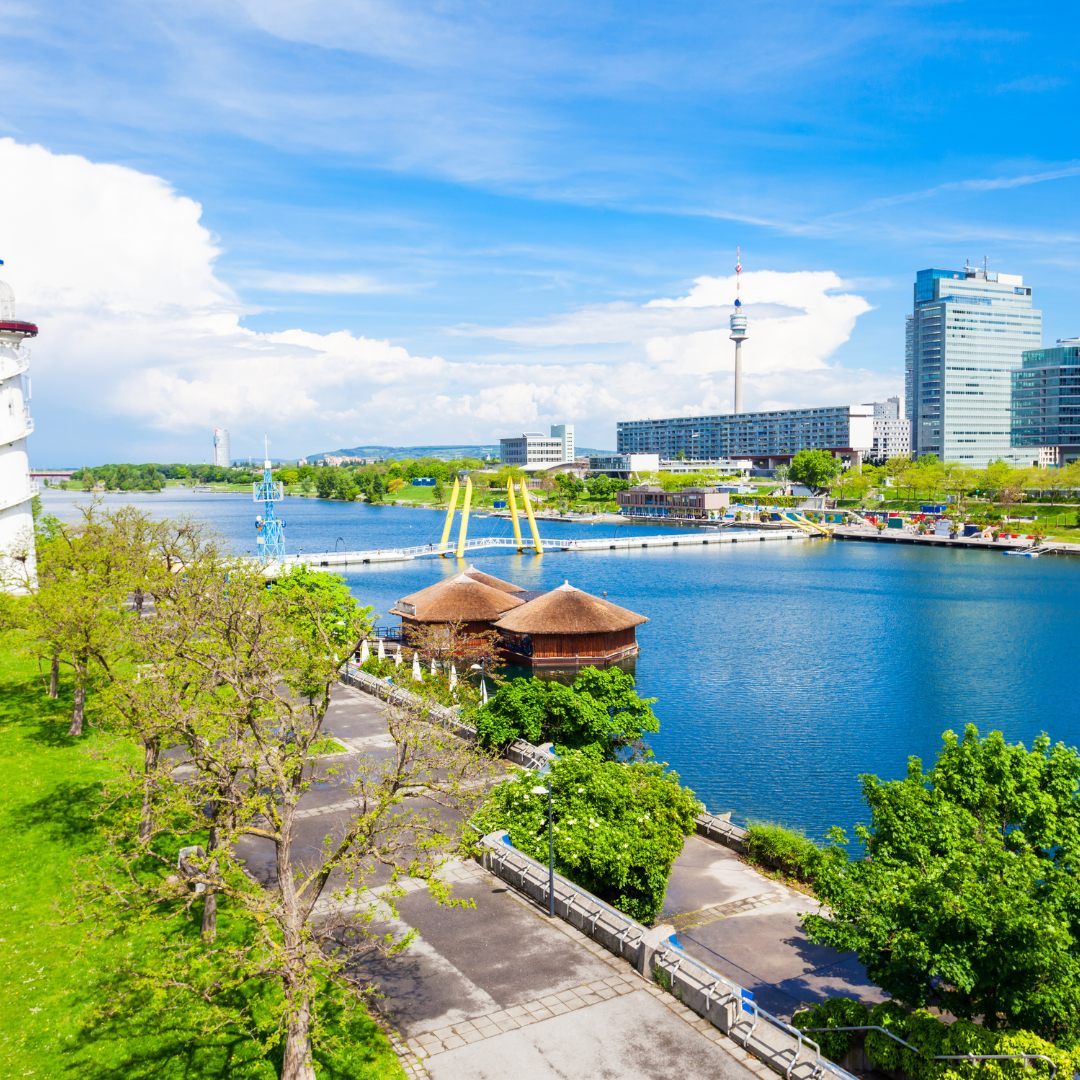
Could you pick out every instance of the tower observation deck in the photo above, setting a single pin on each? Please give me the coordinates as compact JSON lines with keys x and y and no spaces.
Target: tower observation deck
{"x":16,"y":488}
{"x":738,"y":334}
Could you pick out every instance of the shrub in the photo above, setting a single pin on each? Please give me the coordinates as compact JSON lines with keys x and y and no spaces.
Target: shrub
{"x":617,"y":827}
{"x":602,"y":709}
{"x":835,"y":1012}
{"x":787,"y":850}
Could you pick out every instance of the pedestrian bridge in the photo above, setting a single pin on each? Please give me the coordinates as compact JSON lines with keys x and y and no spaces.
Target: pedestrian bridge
{"x":512,"y":544}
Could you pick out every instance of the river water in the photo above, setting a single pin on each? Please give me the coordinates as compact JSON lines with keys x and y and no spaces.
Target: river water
{"x":783,"y":670}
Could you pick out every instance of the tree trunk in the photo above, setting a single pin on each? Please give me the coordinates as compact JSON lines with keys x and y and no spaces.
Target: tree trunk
{"x":298,"y":1064}
{"x":80,"y":699}
{"x":151,"y":749}
{"x":209,"y":913}
{"x":54,"y":678}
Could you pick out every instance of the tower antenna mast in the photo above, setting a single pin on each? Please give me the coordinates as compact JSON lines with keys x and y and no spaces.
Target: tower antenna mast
{"x":738,"y":331}
{"x":270,"y":530}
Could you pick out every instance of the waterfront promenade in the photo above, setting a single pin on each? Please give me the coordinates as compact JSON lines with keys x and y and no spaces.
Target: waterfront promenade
{"x":500,"y":988}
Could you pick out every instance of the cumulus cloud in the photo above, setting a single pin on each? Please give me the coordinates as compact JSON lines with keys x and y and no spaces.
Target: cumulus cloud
{"x":142,"y":342}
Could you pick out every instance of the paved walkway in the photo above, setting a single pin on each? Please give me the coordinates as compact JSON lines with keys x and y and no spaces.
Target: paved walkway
{"x":748,"y":927}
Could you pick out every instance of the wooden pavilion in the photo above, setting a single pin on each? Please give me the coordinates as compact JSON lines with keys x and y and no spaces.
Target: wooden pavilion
{"x":568,"y":628}
{"x":494,"y":582}
{"x":476,"y":605}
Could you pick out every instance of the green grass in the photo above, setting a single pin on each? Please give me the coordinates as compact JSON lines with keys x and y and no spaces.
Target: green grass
{"x":51,"y":986}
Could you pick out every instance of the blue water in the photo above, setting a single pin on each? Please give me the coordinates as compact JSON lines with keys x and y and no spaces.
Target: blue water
{"x":783,"y":670}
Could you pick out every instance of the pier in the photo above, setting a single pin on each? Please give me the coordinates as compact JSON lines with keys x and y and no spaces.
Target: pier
{"x":495,"y":544}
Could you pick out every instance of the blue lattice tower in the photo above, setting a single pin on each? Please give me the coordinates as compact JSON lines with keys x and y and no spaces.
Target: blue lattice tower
{"x":271,"y":531}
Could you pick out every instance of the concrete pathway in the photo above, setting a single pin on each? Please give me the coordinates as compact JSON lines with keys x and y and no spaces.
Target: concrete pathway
{"x":749,"y":927}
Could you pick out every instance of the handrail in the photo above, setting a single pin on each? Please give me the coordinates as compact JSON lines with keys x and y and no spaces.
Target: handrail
{"x":710,"y":975}
{"x":947,"y":1057}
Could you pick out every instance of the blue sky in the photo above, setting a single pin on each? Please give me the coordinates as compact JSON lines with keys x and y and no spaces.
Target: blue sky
{"x":449,"y":222}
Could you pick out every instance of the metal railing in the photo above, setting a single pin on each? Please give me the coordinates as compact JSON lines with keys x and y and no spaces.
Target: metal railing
{"x":946,"y":1057}
{"x":593,"y":907}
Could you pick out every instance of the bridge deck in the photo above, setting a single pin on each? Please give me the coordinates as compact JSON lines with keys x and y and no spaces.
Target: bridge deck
{"x":508,"y":544}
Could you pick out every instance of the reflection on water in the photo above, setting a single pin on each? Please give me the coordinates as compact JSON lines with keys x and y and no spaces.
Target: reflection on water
{"x":783,"y":670}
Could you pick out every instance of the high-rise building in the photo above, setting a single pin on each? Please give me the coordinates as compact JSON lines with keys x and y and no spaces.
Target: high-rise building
{"x":965,"y":337}
{"x":1046,"y":405}
{"x":892,"y":430}
{"x":17,"y":490}
{"x":565,"y":432}
{"x":222,"y":453}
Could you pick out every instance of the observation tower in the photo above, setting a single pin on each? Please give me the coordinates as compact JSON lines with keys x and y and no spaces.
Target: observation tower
{"x":270,"y":531}
{"x":16,"y":488}
{"x":738,"y":334}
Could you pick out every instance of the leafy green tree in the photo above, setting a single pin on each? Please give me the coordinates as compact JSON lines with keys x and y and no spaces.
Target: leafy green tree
{"x":967,"y":897}
{"x":814,"y":468}
{"x":617,"y":828}
{"x":326,"y":481}
{"x":602,"y":709}
{"x":599,"y":486}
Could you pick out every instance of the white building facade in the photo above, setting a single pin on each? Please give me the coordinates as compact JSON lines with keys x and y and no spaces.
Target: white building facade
{"x":965,"y":337}
{"x":17,"y":490}
{"x":535,"y":451}
{"x":892,"y":430}
{"x":222,"y":452}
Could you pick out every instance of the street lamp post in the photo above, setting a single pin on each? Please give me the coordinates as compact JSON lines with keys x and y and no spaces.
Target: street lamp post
{"x":551,"y":848}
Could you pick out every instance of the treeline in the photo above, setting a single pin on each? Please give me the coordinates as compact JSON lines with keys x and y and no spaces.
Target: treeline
{"x":152,"y":476}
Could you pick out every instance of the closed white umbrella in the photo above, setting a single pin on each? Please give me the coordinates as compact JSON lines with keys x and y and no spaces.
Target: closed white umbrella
{"x":364,"y":652}
{"x":416,"y":672}
{"x":397,"y":657}
{"x":433,"y":665}
{"x":483,"y":690}
{"x":453,"y":676}
{"x":382,"y":650}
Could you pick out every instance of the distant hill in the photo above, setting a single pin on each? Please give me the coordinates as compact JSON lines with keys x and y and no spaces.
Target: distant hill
{"x":442,"y":453}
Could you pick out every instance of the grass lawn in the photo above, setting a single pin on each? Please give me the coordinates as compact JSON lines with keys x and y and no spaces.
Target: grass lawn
{"x":51,"y":988}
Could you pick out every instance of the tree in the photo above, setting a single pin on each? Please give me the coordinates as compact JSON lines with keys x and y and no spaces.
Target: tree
{"x":617,"y":828}
{"x":242,"y":679}
{"x":326,"y":481}
{"x":814,"y":468}
{"x":602,"y":709}
{"x":967,"y":894}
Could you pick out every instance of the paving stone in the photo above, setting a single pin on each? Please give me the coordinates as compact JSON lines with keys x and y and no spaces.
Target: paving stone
{"x":509,"y":1024}
{"x":559,"y":1008}
{"x":453,"y":1041}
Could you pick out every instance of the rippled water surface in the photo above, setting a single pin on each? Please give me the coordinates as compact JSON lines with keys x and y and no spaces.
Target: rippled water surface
{"x":783,"y":670}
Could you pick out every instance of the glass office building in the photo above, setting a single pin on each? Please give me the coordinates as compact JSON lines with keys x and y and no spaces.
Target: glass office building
{"x":965,"y":338}
{"x":1046,"y":405}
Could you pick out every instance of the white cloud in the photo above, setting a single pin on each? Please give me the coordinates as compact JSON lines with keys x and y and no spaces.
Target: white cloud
{"x":142,"y":343}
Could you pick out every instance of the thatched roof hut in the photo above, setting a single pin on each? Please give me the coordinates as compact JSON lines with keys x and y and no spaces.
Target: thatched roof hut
{"x":457,"y":599}
{"x":568,"y":627}
{"x":494,"y":582}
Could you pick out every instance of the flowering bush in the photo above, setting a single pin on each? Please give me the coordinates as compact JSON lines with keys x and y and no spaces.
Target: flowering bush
{"x":617,"y":828}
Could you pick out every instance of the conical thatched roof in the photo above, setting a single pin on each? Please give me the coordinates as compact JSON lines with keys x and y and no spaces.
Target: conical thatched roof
{"x":494,"y":582}
{"x":567,"y":610}
{"x":458,"y":597}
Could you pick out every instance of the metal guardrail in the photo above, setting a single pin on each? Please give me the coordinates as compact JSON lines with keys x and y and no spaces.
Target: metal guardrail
{"x":946,"y":1057}
{"x":623,"y":925}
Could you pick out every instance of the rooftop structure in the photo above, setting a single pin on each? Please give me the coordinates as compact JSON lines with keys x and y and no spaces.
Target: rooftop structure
{"x":463,"y":599}
{"x":493,"y":582}
{"x":17,"y":489}
{"x":965,"y":337}
{"x":766,"y":438}
{"x":569,"y":628}
{"x":1046,"y":404}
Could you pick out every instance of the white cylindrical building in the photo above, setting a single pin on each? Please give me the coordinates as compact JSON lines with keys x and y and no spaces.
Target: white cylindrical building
{"x":16,"y":488}
{"x":222,"y":451}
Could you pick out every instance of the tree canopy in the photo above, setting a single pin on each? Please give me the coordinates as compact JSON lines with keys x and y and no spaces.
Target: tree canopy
{"x":967,"y":897}
{"x":602,"y":709}
{"x":815,"y":468}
